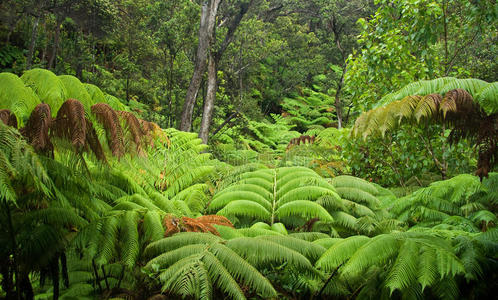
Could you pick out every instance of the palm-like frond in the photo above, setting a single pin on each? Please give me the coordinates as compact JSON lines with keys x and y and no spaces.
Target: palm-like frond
{"x":16,"y":97}
{"x":76,"y":90}
{"x":270,"y":195}
{"x":37,"y":128}
{"x":362,"y":210}
{"x":412,"y":260}
{"x":109,"y":119}
{"x":470,"y":106}
{"x":49,"y":88}
{"x":193,"y":262}
{"x":460,"y":196}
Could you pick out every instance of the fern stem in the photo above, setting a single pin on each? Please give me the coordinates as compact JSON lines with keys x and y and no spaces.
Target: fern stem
{"x":105,"y":277}
{"x":121,"y":276}
{"x":14,"y":246}
{"x":97,"y":279}
{"x":328,"y":280}
{"x":274,"y":198}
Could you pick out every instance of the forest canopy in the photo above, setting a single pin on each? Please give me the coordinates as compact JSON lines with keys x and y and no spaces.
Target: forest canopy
{"x":252,"y":149}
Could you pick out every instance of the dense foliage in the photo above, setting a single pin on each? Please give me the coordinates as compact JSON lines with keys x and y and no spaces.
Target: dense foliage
{"x":342,"y":149}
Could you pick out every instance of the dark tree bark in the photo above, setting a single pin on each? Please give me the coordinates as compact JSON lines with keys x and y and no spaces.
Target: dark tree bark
{"x":7,"y":282}
{"x":34,"y":36}
{"x":214,"y":59}
{"x":338,"y":104}
{"x":53,"y":57}
{"x":171,"y":114}
{"x":212,"y":86}
{"x":337,"y":31}
{"x":208,"y":18}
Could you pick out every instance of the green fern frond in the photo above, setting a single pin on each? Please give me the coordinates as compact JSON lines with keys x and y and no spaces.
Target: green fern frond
{"x":487,"y":98}
{"x":245,"y":208}
{"x":220,"y":201}
{"x":354,"y":182}
{"x":306,"y":193}
{"x":95,"y":93}
{"x":243,"y":271}
{"x":261,"y":252}
{"x":16,"y":97}
{"x":49,"y":88}
{"x":76,"y":90}
{"x":254,"y":232}
{"x":304,"y":208}
{"x":130,"y":246}
{"x":358,"y":195}
{"x":168,"y":258}
{"x":403,"y":273}
{"x":58,"y":216}
{"x":340,"y":252}
{"x":311,"y":251}
{"x":309,"y":236}
{"x":153,"y":228}
{"x":178,"y":240}
{"x":106,"y":240}
{"x":222,"y":277}
{"x":377,"y":250}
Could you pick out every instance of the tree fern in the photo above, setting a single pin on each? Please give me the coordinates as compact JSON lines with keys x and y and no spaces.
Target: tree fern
{"x":210,"y":262}
{"x":418,"y":259}
{"x":460,"y":107}
{"x":95,"y":93}
{"x":16,"y":97}
{"x":76,"y":90}
{"x":463,"y":196}
{"x":270,"y":195}
{"x":362,"y":210}
{"x":130,"y":249}
{"x":49,"y":88}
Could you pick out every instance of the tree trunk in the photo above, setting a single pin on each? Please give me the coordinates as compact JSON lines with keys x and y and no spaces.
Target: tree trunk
{"x":53,"y":58}
{"x":214,"y":59}
{"x":208,"y":18}
{"x":337,"y":31}
{"x":338,"y":104}
{"x":171,"y":114}
{"x":212,"y":86}
{"x":34,"y":36}
{"x":7,"y":282}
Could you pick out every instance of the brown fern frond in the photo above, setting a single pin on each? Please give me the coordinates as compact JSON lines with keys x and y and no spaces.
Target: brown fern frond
{"x":133,"y":126}
{"x":193,"y":225}
{"x":458,"y":101}
{"x":487,"y":143}
{"x":405,"y":107}
{"x":150,"y":130}
{"x":147,"y":127}
{"x":93,"y":141}
{"x":214,"y":220}
{"x":171,"y":225}
{"x":303,"y":139}
{"x":37,"y":127}
{"x":428,"y":106}
{"x":205,"y":223}
{"x":71,"y":123}
{"x":330,"y":167}
{"x":109,"y":119}
{"x":8,"y":118}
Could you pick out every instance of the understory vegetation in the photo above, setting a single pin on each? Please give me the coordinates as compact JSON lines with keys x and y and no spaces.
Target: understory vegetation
{"x":307,"y":150}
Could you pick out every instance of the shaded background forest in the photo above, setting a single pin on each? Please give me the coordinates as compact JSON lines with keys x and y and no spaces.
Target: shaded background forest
{"x":289,"y":65}
{"x":343,"y":149}
{"x":145,"y":50}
